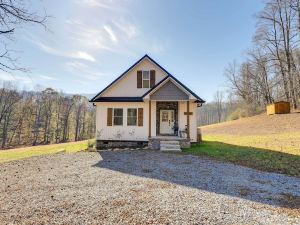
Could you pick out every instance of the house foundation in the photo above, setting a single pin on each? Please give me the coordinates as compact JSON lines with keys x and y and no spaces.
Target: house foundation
{"x":102,"y":145}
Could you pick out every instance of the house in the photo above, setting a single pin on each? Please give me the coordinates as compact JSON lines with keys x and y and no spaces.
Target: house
{"x":146,"y":105}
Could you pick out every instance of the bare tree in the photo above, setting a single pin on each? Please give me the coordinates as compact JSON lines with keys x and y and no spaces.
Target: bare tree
{"x":276,"y":32}
{"x":218,"y":98}
{"x":13,"y":16}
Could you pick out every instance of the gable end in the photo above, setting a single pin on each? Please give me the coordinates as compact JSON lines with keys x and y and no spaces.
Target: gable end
{"x":169,"y":91}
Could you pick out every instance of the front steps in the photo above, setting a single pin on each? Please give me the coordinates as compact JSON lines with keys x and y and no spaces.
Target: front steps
{"x":170,"y":146}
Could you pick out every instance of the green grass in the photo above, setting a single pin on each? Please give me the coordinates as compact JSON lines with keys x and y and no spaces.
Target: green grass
{"x":20,"y":153}
{"x":258,"y":158}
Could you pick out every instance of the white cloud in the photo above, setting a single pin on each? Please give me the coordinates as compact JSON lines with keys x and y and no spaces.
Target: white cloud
{"x":94,"y":3}
{"x":112,"y":36}
{"x":45,"y":77}
{"x":104,"y":4}
{"x":111,"y":33}
{"x":75,"y":55}
{"x":84,"y":55}
{"x":84,"y":71}
{"x":15,"y":78}
{"x":88,"y":37}
{"x":129,"y":29}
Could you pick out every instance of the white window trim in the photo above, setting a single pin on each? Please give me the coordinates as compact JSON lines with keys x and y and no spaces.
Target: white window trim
{"x":137,"y":119}
{"x":113,"y":117}
{"x":145,"y":79}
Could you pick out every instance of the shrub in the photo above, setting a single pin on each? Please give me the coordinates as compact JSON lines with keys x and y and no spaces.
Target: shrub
{"x":91,"y":143}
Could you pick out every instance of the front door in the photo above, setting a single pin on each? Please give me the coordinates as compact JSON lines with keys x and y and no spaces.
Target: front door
{"x":167,"y":120}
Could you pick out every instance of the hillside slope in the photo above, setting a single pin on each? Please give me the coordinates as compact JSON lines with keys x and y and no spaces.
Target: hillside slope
{"x":276,"y":132}
{"x":255,"y":125}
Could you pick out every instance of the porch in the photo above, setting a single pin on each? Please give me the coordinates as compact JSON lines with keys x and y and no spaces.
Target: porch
{"x":172,"y":114}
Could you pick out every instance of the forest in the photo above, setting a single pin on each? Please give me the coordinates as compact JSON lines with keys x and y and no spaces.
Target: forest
{"x":269,"y":71}
{"x":43,"y":117}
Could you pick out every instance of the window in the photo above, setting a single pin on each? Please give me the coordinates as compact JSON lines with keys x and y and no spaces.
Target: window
{"x":131,"y":117}
{"x":146,"y":79}
{"x":118,"y":117}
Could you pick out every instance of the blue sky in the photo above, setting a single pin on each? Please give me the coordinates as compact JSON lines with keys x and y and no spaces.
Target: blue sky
{"x":91,"y":42}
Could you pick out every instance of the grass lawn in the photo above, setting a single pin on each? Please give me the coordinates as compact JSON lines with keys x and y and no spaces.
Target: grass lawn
{"x":244,"y":150}
{"x":20,"y":153}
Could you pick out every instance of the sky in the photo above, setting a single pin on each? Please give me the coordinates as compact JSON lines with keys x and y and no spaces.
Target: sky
{"x":88,"y":43}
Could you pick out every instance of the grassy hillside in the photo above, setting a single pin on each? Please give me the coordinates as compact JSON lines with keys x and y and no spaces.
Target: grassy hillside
{"x":20,"y":153}
{"x":264,"y":142}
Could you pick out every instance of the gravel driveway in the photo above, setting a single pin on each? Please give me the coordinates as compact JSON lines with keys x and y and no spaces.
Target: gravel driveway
{"x":143,"y":187}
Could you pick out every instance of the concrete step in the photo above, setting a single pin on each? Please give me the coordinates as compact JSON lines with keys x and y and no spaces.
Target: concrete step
{"x":170,"y":150}
{"x":169,"y":146}
{"x":170,"y":142}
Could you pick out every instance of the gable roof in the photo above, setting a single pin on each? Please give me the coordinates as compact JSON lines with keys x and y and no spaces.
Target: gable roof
{"x":97,"y":99}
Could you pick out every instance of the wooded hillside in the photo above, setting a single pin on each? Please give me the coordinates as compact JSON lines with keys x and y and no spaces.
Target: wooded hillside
{"x":43,"y":117}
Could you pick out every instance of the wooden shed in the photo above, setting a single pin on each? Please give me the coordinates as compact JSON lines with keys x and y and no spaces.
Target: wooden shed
{"x":281,"y":107}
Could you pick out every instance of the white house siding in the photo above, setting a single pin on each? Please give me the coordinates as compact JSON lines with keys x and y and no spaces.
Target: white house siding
{"x":136,"y":133}
{"x":127,"y":86}
{"x":193,"y":119}
{"x":122,"y":133}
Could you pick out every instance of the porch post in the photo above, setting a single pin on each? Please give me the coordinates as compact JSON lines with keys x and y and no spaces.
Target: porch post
{"x":188,"y":118}
{"x":149,"y":119}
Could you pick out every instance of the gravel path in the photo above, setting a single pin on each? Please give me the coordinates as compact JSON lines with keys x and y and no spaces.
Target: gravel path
{"x":143,"y":187}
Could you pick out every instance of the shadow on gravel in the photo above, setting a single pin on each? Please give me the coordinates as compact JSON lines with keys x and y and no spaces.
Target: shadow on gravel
{"x":257,"y":158}
{"x":207,"y":175}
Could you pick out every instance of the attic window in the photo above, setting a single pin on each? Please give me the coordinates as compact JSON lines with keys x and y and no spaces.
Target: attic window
{"x":146,"y":79}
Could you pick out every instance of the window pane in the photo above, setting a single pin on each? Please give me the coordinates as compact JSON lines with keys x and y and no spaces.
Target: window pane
{"x":131,"y":117}
{"x":118,"y":112}
{"x":146,"y":75}
{"x":146,"y":83}
{"x":131,"y":121}
{"x":131,"y":112}
{"x":118,"y":121}
{"x":118,"y":117}
{"x":165,"y":116}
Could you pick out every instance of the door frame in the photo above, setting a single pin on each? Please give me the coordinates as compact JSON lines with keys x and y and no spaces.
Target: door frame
{"x":160,"y":105}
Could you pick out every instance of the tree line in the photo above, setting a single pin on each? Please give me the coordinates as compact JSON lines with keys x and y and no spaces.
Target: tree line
{"x":221,"y":108}
{"x":43,"y":117}
{"x":271,"y":70}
